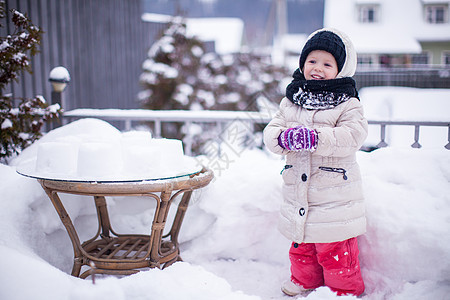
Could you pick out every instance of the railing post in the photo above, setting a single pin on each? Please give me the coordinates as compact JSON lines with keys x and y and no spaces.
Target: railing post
{"x":221,"y":126}
{"x":157,"y":128}
{"x":188,"y":139}
{"x":416,"y":137}
{"x":382,"y":143}
{"x":128,"y":125}
{"x":448,"y":139}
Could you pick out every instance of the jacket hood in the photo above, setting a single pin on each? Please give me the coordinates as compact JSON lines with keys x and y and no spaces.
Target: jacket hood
{"x":349,"y":67}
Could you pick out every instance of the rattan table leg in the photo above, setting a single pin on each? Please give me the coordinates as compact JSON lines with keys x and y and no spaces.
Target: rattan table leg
{"x":67,"y":222}
{"x":178,"y":220}
{"x":103,"y":216}
{"x":159,"y":222}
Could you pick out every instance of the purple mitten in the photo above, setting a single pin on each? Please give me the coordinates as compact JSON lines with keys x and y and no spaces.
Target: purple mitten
{"x":298,"y":138}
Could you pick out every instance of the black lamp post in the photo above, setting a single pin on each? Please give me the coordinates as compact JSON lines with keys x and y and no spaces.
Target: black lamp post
{"x":59,"y":78}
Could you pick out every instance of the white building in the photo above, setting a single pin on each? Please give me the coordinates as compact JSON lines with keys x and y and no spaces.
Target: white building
{"x":392,"y":32}
{"x":226,"y":33}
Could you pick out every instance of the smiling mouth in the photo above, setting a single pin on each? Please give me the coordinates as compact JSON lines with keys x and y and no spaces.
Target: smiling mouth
{"x":314,"y":76}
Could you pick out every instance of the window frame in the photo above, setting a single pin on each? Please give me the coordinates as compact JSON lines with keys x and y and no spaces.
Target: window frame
{"x":445,"y":58}
{"x":364,"y":11}
{"x":365,"y":60}
{"x":431,"y":13}
{"x":423,"y":55}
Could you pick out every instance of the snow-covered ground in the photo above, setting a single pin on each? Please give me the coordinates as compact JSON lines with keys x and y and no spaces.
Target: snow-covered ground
{"x":407,"y":104}
{"x":230,"y":245}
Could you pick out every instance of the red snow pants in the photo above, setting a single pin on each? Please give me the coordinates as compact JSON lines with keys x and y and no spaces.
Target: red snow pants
{"x":335,"y":265}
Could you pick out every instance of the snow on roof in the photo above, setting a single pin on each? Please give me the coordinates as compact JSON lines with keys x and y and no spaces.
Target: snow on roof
{"x":373,"y":40}
{"x":227,"y":33}
{"x":435,"y":1}
{"x":367,"y":1}
{"x":400,"y":28}
{"x":287,"y":50}
{"x":294,"y":42}
{"x":157,"y":18}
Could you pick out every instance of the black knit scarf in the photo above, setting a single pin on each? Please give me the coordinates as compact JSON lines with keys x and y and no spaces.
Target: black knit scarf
{"x":320,"y":94}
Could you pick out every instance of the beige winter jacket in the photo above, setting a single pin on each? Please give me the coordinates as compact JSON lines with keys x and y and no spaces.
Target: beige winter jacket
{"x":322,"y":204}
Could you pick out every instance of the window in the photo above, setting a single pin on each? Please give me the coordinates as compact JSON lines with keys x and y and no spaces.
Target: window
{"x":446,"y":58}
{"x":420,"y":59}
{"x":436,"y":14}
{"x":364,"y":59}
{"x":368,"y":13}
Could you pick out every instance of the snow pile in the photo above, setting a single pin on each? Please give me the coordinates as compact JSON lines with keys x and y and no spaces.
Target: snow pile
{"x":230,"y":244}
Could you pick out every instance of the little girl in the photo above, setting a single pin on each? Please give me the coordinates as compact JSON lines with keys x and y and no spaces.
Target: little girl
{"x":319,"y":127}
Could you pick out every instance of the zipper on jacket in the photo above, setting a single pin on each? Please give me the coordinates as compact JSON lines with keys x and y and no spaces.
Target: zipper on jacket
{"x":336,"y":170}
{"x":285,"y":168}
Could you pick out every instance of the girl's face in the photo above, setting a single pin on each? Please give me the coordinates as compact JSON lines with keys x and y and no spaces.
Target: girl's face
{"x":320,"y":65}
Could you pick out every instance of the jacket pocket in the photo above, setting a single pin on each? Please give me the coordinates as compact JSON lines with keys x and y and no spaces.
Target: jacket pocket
{"x":336,"y":170}
{"x":288,"y":174}
{"x":329,"y":177}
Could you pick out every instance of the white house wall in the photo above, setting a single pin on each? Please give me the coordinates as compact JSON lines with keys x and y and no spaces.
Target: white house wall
{"x":400,"y":29}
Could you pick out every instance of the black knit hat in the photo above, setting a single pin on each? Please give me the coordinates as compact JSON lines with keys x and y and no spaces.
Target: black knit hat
{"x":327,"y":41}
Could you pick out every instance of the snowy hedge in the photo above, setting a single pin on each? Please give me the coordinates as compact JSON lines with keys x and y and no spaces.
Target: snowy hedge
{"x":21,"y":125}
{"x":180,"y":74}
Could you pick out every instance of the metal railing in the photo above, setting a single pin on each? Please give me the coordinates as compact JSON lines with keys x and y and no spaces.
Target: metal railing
{"x":220,"y":118}
{"x":427,"y":76}
{"x":416,"y":124}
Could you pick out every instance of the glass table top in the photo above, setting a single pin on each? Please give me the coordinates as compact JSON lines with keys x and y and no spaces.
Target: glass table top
{"x":189,"y":166}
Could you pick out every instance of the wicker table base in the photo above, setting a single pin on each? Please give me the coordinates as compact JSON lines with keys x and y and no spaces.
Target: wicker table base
{"x":108,"y":252}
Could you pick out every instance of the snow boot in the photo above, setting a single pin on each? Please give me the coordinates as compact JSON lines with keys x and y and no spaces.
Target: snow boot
{"x":292,"y":289}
